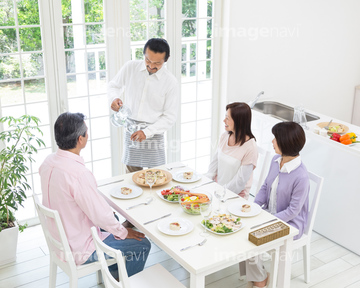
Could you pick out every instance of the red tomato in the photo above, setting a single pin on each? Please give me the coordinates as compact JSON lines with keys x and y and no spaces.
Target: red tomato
{"x":163,"y":192}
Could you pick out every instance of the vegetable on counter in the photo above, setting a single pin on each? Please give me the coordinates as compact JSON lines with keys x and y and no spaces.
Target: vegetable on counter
{"x":335,"y":137}
{"x":345,"y":139}
{"x":352,"y":137}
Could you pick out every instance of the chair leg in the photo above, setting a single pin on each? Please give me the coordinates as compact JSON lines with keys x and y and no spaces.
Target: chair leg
{"x":306,"y":256}
{"x":242,"y":270}
{"x":274,"y":267}
{"x":99,"y":277}
{"x":52,"y":274}
{"x":73,"y":282}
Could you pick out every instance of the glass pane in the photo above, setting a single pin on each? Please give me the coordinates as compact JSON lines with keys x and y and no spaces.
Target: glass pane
{"x":190,"y":163}
{"x":204,"y":109}
{"x":72,"y":11}
{"x":86,"y":153}
{"x":188,"y":112}
{"x":209,"y":8}
{"x":11,"y":93}
{"x":94,"y":34}
{"x":203,"y":7}
{"x":156,"y":30}
{"x":193,"y":51}
{"x":39,"y":158}
{"x":68,"y":37}
{"x":208,"y":69}
{"x":138,"y":31}
{"x":33,"y":64}
{"x":75,"y":61}
{"x":203,"y":147}
{"x":204,"y":50}
{"x":202,"y":32}
{"x":189,"y":28}
{"x":192,"y":69}
{"x":8,"y":40}
{"x":99,"y":107}
{"x":203,"y":129}
{"x":40,"y":110}
{"x":202,"y":164}
{"x":30,"y":39}
{"x":183,"y":52}
{"x":91,"y":61}
{"x":36,"y":183}
{"x":100,"y":128}
{"x":188,"y":92}
{"x":102,"y":169}
{"x":209,"y":29}
{"x":80,"y":105}
{"x":204,"y":90}
{"x":138,"y":10}
{"x":93,"y":11}
{"x":14,"y":111}
{"x":202,"y":70}
{"x":35,"y":90}
{"x":102,"y":60}
{"x":97,"y":83}
{"x":156,"y":9}
{"x":7,"y":16}
{"x":101,"y":148}
{"x":76,"y":85}
{"x":46,"y":136}
{"x":188,"y":131}
{"x":28,"y":12}
{"x":188,"y":150}
{"x":28,"y":211}
{"x":189,"y":8}
{"x":137,"y":53}
{"x":9,"y":67}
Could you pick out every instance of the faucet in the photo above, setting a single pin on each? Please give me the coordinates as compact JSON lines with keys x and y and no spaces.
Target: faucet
{"x":252,"y":104}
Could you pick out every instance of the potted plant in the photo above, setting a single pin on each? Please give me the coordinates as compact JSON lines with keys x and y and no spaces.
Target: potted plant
{"x":16,"y":154}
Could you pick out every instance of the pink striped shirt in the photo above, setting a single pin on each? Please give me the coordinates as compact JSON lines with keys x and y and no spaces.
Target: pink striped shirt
{"x":71,"y":189}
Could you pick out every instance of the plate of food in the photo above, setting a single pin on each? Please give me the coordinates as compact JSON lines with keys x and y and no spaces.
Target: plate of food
{"x":334,"y":127}
{"x":186,"y":176}
{"x":244,"y":208}
{"x":126,"y":191}
{"x":223,"y":224}
{"x":175,"y":226}
{"x":162,"y":177}
{"x":172,"y":194}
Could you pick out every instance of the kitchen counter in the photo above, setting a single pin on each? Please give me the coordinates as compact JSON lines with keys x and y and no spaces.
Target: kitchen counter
{"x":337,"y":216}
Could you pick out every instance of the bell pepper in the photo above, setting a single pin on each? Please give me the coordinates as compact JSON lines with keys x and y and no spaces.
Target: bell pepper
{"x":345,"y":139}
{"x":335,"y":137}
{"x":352,"y":136}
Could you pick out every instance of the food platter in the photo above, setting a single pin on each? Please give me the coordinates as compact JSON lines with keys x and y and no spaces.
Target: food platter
{"x":222,"y":217}
{"x":137,"y":175}
{"x":235,"y":208}
{"x":170,"y":189}
{"x":116,"y":192}
{"x":342,"y":126}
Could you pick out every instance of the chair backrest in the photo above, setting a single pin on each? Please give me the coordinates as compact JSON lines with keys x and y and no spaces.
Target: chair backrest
{"x":315,"y":189}
{"x":260,"y":174}
{"x":58,"y":245}
{"x":102,"y":248}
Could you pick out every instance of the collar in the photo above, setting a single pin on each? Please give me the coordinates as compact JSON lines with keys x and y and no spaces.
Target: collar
{"x":158,"y":74}
{"x":289,"y":166}
{"x":73,"y":156}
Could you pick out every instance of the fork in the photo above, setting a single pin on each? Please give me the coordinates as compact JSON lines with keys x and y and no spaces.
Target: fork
{"x":175,"y":167}
{"x":224,"y":200}
{"x":327,"y":126}
{"x":198,"y":244}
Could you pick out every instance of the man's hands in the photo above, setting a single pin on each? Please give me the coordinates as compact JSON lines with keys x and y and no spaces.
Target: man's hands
{"x":138,"y":136}
{"x":132,"y":234}
{"x":116,"y":104}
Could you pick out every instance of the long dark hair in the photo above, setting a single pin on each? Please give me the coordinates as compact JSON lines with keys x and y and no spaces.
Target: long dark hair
{"x":241,"y":114}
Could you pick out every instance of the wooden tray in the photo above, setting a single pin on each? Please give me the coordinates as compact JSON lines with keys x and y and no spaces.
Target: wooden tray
{"x":323,"y":124}
{"x":167,"y":173}
{"x":269,"y":233}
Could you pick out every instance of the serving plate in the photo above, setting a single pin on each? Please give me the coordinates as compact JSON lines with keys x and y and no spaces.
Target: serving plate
{"x":323,"y":124}
{"x":136,"y":176}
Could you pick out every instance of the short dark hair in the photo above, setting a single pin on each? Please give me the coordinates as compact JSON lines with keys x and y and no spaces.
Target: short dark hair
{"x":241,"y":114}
{"x":290,"y":138}
{"x":158,"y":45}
{"x":68,"y":128}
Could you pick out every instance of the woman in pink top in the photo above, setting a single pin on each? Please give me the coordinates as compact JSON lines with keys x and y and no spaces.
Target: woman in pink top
{"x":236,"y":156}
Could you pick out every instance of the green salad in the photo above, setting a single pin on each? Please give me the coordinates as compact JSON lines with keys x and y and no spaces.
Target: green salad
{"x":223,"y":223}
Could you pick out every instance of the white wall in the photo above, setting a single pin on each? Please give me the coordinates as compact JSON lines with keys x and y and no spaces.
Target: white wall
{"x":301,"y":52}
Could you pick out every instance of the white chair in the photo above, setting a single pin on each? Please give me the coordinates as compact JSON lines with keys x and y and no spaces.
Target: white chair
{"x":316,"y":183}
{"x":155,"y":276}
{"x":259,"y":175}
{"x":61,"y":244}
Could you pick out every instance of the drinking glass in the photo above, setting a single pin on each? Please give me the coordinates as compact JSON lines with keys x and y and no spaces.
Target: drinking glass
{"x":150,"y":178}
{"x":205,"y":211}
{"x":119,"y":118}
{"x":303,"y":121}
{"x":297,"y":115}
{"x":220,"y":194}
{"x":131,"y":127}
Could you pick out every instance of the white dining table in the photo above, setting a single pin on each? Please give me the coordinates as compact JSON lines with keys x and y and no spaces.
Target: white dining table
{"x":219,"y":252}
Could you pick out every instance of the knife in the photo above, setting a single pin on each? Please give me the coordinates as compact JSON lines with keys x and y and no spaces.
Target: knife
{"x":202,"y":184}
{"x":111,"y":183}
{"x":167,"y":215}
{"x":263,"y":223}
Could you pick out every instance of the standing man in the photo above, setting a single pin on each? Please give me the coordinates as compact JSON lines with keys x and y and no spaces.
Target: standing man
{"x":71,"y":189}
{"x":152,"y":94}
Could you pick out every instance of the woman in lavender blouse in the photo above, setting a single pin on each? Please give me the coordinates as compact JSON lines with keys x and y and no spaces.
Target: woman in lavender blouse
{"x":285,"y":192}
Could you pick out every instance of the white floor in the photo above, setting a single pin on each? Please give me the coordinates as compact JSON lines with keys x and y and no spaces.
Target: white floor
{"x":331,"y":266}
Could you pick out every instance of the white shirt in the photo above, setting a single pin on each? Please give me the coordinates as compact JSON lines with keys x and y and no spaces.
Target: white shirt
{"x":287,"y":168}
{"x":151,"y":98}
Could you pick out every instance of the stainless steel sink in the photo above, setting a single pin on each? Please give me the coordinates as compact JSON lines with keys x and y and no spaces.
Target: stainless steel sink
{"x":280,"y":111}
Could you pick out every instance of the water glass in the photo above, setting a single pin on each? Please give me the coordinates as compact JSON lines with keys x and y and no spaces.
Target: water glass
{"x":119,"y":118}
{"x":205,"y":211}
{"x":131,"y":127}
{"x":303,"y":121}
{"x":150,"y":178}
{"x":220,"y":194}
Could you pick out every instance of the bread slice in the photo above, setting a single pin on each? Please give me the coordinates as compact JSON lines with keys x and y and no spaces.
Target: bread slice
{"x":126,"y":190}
